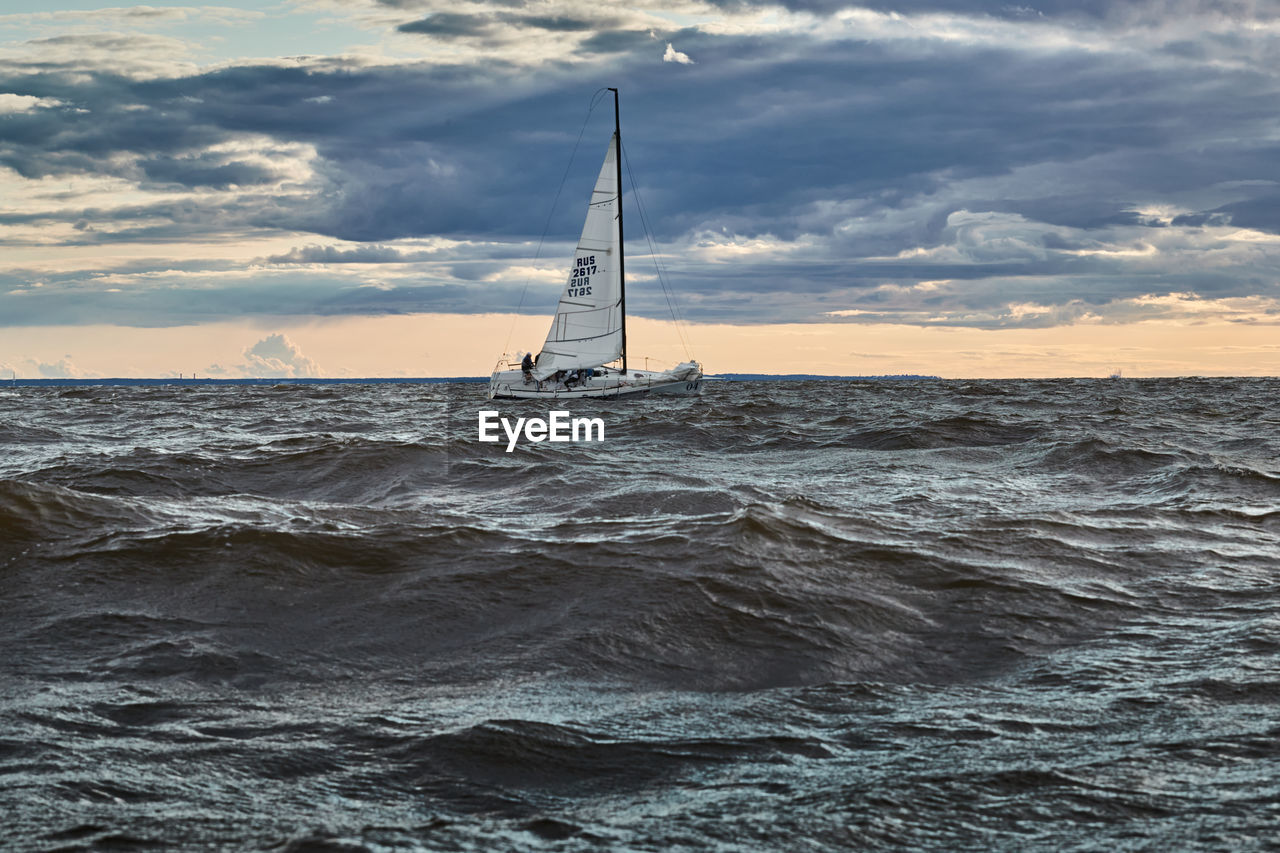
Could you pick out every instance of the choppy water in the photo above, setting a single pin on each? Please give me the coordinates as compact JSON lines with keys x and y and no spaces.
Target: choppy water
{"x":1008,"y":615}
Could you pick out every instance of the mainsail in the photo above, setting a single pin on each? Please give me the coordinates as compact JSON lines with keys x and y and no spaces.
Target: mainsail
{"x":587,"y":329}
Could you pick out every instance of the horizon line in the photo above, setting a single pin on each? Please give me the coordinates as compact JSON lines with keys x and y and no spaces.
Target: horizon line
{"x":435,"y":380}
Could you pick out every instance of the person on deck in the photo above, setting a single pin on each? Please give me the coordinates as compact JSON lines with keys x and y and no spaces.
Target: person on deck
{"x":527,"y":366}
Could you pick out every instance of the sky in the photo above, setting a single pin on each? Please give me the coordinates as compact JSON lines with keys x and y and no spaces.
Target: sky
{"x":394,"y":187}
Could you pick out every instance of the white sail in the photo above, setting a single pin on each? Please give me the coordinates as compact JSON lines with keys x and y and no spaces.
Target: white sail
{"x":587,"y":329}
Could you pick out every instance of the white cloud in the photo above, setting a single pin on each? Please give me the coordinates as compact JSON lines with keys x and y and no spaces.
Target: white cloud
{"x":276,"y":356}
{"x":27,"y":367}
{"x":544,"y":274}
{"x":60,"y":369}
{"x":138,"y":54}
{"x":10,"y":103}
{"x":673,"y":55}
{"x":723,"y":247}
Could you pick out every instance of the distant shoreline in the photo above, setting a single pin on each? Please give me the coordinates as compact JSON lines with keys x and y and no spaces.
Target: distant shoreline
{"x":283,"y":380}
{"x":419,"y":380}
{"x":767,"y":377}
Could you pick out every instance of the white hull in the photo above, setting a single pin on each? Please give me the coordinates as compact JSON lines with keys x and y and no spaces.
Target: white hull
{"x":511,"y":385}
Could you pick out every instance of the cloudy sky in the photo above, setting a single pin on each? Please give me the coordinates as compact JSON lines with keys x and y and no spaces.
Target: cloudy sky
{"x":359,"y":187}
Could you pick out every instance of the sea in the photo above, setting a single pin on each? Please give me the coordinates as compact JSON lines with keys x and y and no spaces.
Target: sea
{"x":811,"y":615}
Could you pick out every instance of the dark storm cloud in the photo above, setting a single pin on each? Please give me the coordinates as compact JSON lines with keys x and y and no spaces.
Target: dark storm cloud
{"x":371,"y":254}
{"x":201,"y":171}
{"x":448,"y":24}
{"x":553,"y":23}
{"x":204,"y":218}
{"x":1261,"y":212}
{"x":379,"y":254}
{"x":1016,"y":174}
{"x":173,"y":300}
{"x":784,"y":135}
{"x":1153,"y":10}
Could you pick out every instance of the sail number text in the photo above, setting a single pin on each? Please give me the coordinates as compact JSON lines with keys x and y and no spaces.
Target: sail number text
{"x":580,"y":276}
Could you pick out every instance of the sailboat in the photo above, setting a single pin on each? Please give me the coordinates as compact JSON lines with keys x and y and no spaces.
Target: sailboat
{"x":585,"y":353}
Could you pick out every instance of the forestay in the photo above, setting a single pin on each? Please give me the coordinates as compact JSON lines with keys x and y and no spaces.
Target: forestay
{"x":587,"y":329}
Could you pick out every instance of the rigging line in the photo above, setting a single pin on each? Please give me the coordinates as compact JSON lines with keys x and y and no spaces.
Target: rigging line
{"x":595,"y":100}
{"x":667,"y":292}
{"x":658,"y":266}
{"x":672,"y":304}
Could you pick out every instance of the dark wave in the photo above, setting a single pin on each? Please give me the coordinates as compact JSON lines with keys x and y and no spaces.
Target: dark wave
{"x":966,"y":430}
{"x":34,"y":513}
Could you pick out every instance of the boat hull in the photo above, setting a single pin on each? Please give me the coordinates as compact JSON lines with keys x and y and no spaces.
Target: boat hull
{"x":510,"y":385}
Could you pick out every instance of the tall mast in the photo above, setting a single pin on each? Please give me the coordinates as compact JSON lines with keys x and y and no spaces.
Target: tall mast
{"x":622,"y":264}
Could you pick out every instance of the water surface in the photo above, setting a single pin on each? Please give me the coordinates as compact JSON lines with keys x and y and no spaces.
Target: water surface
{"x":1015,"y":615}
